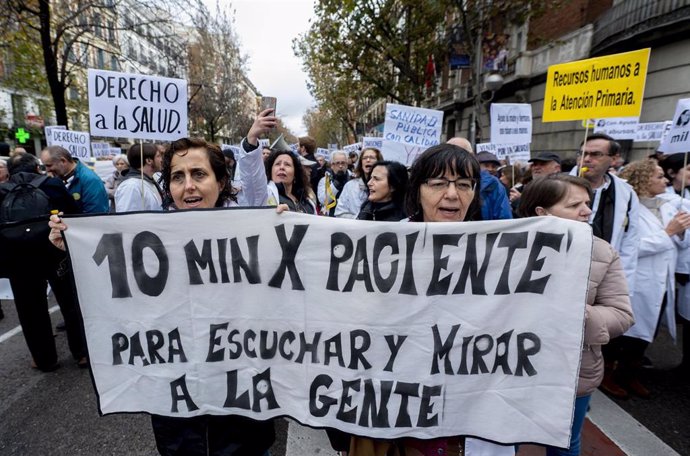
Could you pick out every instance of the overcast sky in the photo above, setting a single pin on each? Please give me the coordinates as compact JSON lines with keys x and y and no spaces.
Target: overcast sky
{"x":266,"y":29}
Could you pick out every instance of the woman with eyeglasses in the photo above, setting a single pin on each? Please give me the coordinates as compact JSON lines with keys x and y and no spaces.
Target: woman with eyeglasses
{"x":607,"y":312}
{"x":354,"y":193}
{"x":442,"y":188}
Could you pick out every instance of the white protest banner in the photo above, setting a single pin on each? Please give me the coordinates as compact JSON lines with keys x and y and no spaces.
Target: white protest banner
{"x":356,"y":147}
{"x":372,"y":141}
{"x":295,"y":148}
{"x":49,"y":132}
{"x":618,"y":127}
{"x":264,"y":143}
{"x":511,"y":123}
{"x":409,"y":131}
{"x":652,"y":131}
{"x":78,"y":143}
{"x":515,"y":152}
{"x":115,"y":151}
{"x":677,"y":139}
{"x":100,"y":149}
{"x":413,"y":329}
{"x":137,"y":106}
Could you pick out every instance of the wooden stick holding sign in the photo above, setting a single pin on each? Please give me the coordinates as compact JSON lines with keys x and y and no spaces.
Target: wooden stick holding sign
{"x":581,"y":169}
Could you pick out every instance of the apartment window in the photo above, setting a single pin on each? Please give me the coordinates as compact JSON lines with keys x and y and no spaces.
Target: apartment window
{"x":73,"y":93}
{"x":100,"y":56}
{"x":114,"y":65}
{"x":18,"y":107}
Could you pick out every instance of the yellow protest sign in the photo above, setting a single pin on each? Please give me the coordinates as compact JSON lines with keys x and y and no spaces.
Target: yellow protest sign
{"x":609,"y":86}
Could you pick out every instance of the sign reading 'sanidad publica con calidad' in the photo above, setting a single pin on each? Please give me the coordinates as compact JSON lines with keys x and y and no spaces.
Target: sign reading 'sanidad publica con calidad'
{"x":381,"y":329}
{"x":602,"y":87}
{"x":137,"y":106}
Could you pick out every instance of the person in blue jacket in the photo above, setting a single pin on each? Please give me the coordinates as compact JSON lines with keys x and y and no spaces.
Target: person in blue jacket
{"x":87,"y":189}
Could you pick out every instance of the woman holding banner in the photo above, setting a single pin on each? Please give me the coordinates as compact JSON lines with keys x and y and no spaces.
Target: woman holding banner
{"x":443,"y":188}
{"x":354,"y":193}
{"x":194,"y":176}
{"x":607,"y":312}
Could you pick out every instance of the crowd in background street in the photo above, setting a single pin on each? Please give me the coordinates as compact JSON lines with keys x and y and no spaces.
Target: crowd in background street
{"x":638,"y":212}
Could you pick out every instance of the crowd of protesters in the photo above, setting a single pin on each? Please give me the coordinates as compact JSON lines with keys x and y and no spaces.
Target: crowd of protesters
{"x":638,"y":214}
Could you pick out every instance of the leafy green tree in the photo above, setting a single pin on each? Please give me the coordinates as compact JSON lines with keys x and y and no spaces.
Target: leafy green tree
{"x":216,"y":70}
{"x":65,"y":32}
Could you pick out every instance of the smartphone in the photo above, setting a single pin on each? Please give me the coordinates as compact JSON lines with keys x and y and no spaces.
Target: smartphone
{"x":268,"y":103}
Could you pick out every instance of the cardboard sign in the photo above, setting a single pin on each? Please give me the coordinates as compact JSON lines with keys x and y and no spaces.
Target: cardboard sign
{"x":511,"y":123}
{"x":78,"y":143}
{"x":602,"y":87}
{"x":382,"y":329}
{"x":137,"y":106}
{"x":677,"y":139}
{"x":514,"y":152}
{"x":652,"y":131}
{"x":618,"y":127}
{"x":408,"y":131}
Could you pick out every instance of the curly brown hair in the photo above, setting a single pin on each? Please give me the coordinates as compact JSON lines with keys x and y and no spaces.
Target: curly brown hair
{"x":639,"y":174}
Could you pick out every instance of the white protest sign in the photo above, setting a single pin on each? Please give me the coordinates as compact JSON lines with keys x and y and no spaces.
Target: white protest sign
{"x":618,"y":127}
{"x":511,"y":123}
{"x":412,"y":327}
{"x":401,"y":152}
{"x":101,"y":149}
{"x":295,"y":148}
{"x":515,"y":152}
{"x":78,"y":143}
{"x":137,"y":106}
{"x":115,"y":151}
{"x":325,"y":153}
{"x":677,"y":139}
{"x":372,"y":141}
{"x":264,"y":143}
{"x":49,"y":133}
{"x":356,"y":147}
{"x":409,"y":131}
{"x":652,"y":131}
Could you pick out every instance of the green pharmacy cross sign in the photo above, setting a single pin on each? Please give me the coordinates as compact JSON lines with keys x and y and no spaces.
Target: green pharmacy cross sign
{"x":21,"y":135}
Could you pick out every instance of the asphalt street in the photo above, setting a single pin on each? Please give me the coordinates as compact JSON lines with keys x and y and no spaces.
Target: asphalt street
{"x":56,"y":413}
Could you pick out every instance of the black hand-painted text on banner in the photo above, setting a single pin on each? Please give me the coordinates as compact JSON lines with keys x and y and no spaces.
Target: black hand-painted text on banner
{"x":380,"y":329}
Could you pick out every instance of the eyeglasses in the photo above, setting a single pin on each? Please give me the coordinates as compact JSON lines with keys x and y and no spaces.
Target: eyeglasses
{"x":596,"y":155}
{"x":369,"y":157}
{"x":440,"y":184}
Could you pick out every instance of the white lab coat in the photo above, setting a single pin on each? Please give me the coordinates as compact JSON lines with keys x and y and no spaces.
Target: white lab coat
{"x":655,"y":274}
{"x":624,"y":236}
{"x":683,"y":263}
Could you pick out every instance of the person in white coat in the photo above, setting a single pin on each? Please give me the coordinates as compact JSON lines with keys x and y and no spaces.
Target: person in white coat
{"x":355,"y":192}
{"x":662,"y":232}
{"x":678,"y":174}
{"x":614,"y":218}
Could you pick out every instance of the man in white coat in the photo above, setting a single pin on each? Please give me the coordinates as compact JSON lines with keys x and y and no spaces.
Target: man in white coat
{"x":615,"y":219}
{"x":138,"y":191}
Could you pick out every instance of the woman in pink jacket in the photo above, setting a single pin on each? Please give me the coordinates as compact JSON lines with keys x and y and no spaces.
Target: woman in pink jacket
{"x":608,"y":313}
